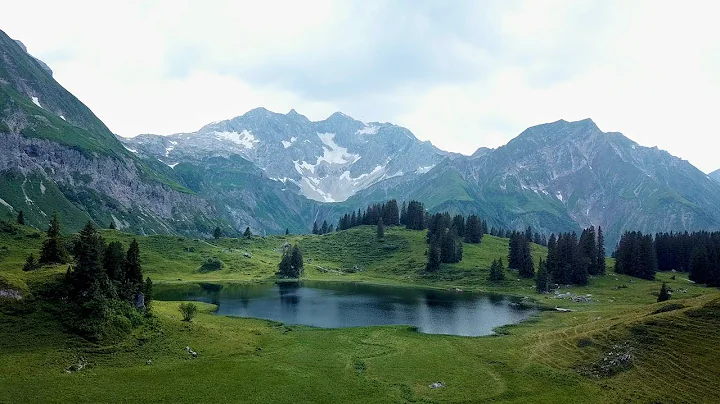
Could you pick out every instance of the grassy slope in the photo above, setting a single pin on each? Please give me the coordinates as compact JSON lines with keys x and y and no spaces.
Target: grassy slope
{"x":242,"y":359}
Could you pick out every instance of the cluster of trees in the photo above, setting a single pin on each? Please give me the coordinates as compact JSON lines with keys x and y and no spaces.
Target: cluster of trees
{"x":519,"y":255}
{"x":322,"y":229}
{"x":387,"y":211}
{"x":697,"y":253}
{"x":446,"y":234}
{"x":291,"y":264}
{"x":534,"y":237}
{"x":102,"y":277}
{"x":635,"y":255}
{"x":571,"y":260}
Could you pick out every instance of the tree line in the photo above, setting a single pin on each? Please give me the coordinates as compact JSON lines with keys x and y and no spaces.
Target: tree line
{"x":446,"y":234}
{"x":698,"y":253}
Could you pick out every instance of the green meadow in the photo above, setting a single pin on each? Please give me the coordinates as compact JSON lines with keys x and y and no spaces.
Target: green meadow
{"x":556,"y":357}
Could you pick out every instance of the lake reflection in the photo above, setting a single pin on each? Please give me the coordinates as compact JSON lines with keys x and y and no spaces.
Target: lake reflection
{"x":340,"y":305}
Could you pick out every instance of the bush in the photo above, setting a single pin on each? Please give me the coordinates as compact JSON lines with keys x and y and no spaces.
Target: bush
{"x":211,"y":264}
{"x":188,"y":311}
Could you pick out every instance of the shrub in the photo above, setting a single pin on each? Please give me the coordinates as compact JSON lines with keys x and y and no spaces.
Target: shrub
{"x":188,"y":311}
{"x":211,"y":264}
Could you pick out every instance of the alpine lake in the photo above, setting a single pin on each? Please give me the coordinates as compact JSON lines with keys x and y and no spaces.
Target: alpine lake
{"x":342,"y":305}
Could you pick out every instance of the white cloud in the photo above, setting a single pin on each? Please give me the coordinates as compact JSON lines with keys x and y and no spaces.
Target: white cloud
{"x":472,"y":75}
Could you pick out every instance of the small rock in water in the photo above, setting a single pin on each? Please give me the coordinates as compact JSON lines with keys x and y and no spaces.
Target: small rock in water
{"x":437,"y":385}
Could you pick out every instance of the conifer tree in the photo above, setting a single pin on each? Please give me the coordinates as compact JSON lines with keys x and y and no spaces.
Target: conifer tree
{"x":114,"y":262}
{"x":497,"y":271}
{"x":247,"y":233}
{"x":291,"y":264}
{"x":600,"y":264}
{"x":53,"y":251}
{"x":88,"y":279}
{"x":315,"y":229}
{"x":542,"y":278}
{"x":217,"y":233}
{"x":133,"y":271}
{"x":664,"y":293}
{"x":380,"y":231}
{"x":112,"y":226}
{"x":20,"y":218}
{"x":30,"y":264}
{"x":287,"y":231}
{"x":324,"y":227}
{"x":433,"y":263}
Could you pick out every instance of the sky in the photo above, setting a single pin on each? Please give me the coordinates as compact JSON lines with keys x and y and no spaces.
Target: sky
{"x":462,"y":73}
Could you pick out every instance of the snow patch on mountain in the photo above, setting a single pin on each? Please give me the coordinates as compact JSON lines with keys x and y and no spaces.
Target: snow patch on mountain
{"x":36,"y":102}
{"x":333,"y":153}
{"x":423,"y":170}
{"x":129,"y":149}
{"x":244,"y":138}
{"x":368,"y":130}
{"x":287,"y":144}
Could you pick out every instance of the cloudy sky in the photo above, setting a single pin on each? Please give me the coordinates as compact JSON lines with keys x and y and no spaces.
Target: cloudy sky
{"x":462,"y":74}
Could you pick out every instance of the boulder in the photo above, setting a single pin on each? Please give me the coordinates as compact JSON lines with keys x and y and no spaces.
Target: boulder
{"x":139,"y":301}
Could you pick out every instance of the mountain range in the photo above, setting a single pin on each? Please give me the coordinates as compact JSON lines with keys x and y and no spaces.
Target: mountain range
{"x":272,"y":171}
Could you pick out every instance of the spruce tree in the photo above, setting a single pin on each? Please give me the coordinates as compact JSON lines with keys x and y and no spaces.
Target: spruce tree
{"x":20,"y":218}
{"x":148,"y":292}
{"x":324,"y":227}
{"x":433,"y":262}
{"x":217,"y":233}
{"x":287,"y":231}
{"x":291,"y":264}
{"x":114,"y":262}
{"x":664,"y":293}
{"x":600,"y":264}
{"x":88,"y":280}
{"x":497,"y":271}
{"x":247,"y":233}
{"x":380,"y":231}
{"x":542,"y":278}
{"x":53,"y":251}
{"x":133,"y":271}
{"x":315,"y":229}
{"x":112,"y":226}
{"x":30,"y":264}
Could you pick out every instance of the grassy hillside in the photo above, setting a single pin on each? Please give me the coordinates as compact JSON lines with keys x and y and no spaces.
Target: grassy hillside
{"x":553,"y":358}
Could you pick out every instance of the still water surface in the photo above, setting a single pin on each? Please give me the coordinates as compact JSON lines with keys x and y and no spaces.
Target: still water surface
{"x":340,"y":305}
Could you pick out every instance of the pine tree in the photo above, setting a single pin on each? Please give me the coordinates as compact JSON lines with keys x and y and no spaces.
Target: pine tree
{"x":53,"y":251}
{"x":30,"y":264}
{"x":315,"y":229}
{"x":433,"y":263}
{"x":542,"y":278}
{"x":133,"y":271}
{"x":324,"y":228}
{"x":664,"y":293}
{"x":114,"y":262}
{"x":20,"y":218}
{"x":217,"y":233}
{"x":380,"y":231}
{"x":112,"y":226}
{"x":287,"y":231}
{"x":497,"y":271}
{"x":88,"y":280}
{"x":148,"y":292}
{"x":291,"y":264}
{"x":247,"y":233}
{"x":600,"y":264}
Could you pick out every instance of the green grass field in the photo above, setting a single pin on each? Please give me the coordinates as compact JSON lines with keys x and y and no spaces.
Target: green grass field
{"x":552,"y":358}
